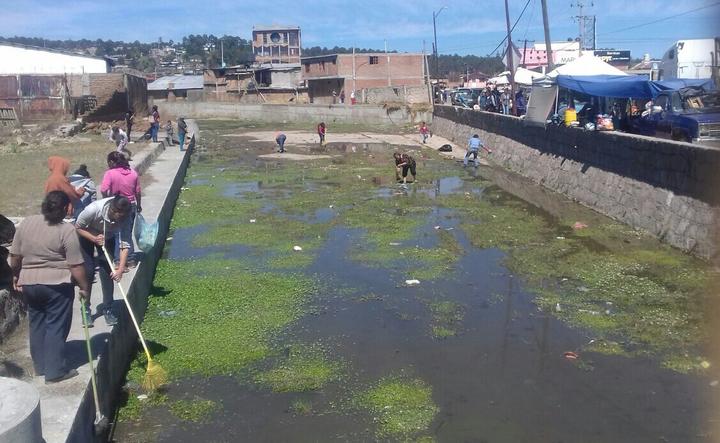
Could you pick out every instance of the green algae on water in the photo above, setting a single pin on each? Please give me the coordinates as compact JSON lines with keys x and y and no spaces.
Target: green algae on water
{"x":306,"y":368}
{"x":402,"y":407}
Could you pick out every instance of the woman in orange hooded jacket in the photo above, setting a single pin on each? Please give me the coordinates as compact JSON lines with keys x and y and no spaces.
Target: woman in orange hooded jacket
{"x":58,"y":181}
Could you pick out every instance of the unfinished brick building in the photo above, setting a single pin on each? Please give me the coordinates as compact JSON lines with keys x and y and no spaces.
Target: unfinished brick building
{"x":353,"y":72}
{"x":276,"y":44}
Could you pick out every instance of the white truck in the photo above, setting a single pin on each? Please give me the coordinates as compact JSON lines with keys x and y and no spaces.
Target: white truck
{"x":694,"y":59}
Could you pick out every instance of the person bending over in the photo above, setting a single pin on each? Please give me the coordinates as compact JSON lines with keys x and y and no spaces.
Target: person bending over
{"x":404,"y":163}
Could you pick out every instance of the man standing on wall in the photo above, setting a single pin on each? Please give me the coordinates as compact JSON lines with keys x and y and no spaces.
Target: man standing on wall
{"x":129,"y":120}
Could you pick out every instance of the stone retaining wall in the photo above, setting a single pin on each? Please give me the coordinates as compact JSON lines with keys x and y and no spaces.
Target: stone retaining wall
{"x":669,"y":189}
{"x":365,"y":114}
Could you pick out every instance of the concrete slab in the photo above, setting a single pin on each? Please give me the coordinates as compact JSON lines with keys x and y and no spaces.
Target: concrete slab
{"x":60,"y":402}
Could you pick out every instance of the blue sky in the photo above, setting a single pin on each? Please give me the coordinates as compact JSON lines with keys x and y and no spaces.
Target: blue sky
{"x":465,"y":27}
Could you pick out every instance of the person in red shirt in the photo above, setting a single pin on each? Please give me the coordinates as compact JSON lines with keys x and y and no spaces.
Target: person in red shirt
{"x":424,"y":132}
{"x":321,"y":132}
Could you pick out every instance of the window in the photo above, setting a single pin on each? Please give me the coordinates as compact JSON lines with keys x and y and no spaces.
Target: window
{"x":265,"y":40}
{"x":662,"y":101}
{"x":374,"y":60}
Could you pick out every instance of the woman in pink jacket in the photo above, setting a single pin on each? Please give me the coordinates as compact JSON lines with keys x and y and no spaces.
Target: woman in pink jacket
{"x":123,"y":180}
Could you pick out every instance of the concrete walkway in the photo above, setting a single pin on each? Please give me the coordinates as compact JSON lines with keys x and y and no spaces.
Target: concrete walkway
{"x":60,"y":402}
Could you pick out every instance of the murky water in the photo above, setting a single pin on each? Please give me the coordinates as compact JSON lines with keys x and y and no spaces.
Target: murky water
{"x":502,"y":378}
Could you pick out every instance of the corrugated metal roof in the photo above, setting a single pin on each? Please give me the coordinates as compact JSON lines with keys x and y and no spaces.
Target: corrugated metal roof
{"x":275,"y":28}
{"x":176,"y":82}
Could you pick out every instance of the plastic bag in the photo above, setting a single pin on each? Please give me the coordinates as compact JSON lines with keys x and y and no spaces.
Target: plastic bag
{"x":145,"y":233}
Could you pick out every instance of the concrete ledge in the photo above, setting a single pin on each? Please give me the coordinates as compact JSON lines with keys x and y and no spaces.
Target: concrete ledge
{"x":115,"y":358}
{"x":142,"y":161}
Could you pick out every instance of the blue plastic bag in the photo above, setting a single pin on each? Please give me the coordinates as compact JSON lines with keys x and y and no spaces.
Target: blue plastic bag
{"x":145,"y":233}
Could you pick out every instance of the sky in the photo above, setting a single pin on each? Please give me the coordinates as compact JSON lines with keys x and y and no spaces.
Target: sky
{"x":464,"y":27}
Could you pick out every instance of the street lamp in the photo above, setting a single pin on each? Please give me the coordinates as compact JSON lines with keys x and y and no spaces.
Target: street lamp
{"x":435,"y":48}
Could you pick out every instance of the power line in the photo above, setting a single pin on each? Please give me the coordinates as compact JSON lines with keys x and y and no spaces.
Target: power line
{"x":513,"y":27}
{"x":662,"y":19}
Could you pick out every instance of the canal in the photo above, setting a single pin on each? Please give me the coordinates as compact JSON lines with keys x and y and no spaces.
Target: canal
{"x":315,"y":299}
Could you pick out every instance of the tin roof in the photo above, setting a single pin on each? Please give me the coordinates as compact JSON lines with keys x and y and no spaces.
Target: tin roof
{"x":275,"y":28}
{"x":177,"y":82}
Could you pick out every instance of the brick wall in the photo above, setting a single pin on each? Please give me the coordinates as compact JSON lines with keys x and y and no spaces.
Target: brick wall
{"x":666,"y":188}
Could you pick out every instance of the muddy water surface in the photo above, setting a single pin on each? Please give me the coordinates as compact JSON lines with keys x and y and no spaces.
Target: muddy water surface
{"x":522,"y":327}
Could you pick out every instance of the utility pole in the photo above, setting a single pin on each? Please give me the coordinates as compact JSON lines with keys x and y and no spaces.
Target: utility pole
{"x":523,"y":63}
{"x":388,"y":64}
{"x":354,"y":72}
{"x":548,"y":47}
{"x":510,"y":66}
{"x":435,"y":47}
{"x":587,"y":39}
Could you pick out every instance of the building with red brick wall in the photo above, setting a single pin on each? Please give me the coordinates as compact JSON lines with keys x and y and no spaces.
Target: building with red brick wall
{"x":352,"y":72}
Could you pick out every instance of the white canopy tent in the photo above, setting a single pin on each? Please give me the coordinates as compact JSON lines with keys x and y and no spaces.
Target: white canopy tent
{"x":587,"y":64}
{"x":501,"y":79}
{"x":525,"y":76}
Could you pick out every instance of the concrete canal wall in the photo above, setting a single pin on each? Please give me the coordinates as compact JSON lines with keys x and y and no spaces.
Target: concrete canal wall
{"x":277,"y":113}
{"x":122,"y":344}
{"x":669,"y":189}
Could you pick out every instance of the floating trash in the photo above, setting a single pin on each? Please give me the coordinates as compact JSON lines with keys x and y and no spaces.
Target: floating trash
{"x":412,"y":282}
{"x":297,"y":248}
{"x":570,"y":355}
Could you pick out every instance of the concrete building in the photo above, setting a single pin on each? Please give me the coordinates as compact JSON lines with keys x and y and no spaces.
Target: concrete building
{"x":352,"y":72}
{"x":173,"y":86}
{"x":276,"y":44}
{"x":23,"y":59}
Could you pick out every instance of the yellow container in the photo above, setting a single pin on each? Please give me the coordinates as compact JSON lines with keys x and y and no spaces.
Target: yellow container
{"x":570,"y":116}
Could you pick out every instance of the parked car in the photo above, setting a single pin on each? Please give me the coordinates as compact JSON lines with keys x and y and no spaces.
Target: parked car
{"x":464,"y":97}
{"x":690,"y":114}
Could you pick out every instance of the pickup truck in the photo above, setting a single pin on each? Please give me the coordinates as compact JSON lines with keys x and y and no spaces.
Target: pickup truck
{"x":690,"y":115}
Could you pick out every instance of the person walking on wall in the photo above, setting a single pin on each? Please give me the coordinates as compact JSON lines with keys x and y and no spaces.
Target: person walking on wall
{"x":121,"y":179}
{"x":321,"y":129}
{"x":342,"y":96}
{"x":154,"y":123}
{"x":58,"y":180}
{"x":97,"y":226}
{"x":182,"y":130}
{"x":280,"y":140}
{"x":46,"y":259}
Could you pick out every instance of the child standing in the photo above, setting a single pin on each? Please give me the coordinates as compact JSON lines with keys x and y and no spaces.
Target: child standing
{"x":280,"y":140}
{"x":321,"y":132}
{"x":169,"y":131}
{"x":424,"y":132}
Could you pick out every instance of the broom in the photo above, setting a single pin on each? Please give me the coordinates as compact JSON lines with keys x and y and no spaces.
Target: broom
{"x":155,"y":375}
{"x":101,"y":422}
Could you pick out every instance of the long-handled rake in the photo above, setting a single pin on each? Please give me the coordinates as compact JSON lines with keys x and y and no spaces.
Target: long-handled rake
{"x":155,"y":375}
{"x":101,"y":422}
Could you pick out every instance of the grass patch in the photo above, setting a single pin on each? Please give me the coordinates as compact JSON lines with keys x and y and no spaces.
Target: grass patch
{"x":446,"y":317}
{"x":402,"y":407}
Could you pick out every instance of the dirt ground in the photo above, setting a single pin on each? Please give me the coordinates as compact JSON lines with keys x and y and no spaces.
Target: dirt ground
{"x":23,"y":156}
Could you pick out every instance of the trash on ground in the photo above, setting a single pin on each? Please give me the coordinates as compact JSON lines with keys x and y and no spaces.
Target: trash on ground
{"x":558,"y":308}
{"x":579,"y":225}
{"x":570,"y":355}
{"x":167,"y":313}
{"x":252,"y":220}
{"x":412,"y":282}
{"x":297,"y":248}
{"x":705,"y":364}
{"x":714,"y":383}
{"x":142,"y":397}
{"x":437,"y":227}
{"x":392,"y":243}
{"x":560,"y":238}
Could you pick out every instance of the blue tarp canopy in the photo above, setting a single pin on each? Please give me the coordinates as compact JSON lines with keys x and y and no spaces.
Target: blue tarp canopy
{"x":625,"y":86}
{"x":630,"y":86}
{"x":705,"y":83}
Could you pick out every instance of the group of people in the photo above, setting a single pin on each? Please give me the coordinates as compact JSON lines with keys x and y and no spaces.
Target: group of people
{"x":62,"y":247}
{"x":281,"y":138}
{"x":122,"y":138}
{"x":493,"y":100}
